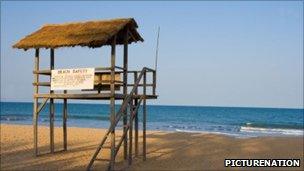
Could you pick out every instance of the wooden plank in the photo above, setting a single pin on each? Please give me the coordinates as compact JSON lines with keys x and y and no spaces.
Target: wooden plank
{"x":112,"y":103}
{"x":146,"y":96}
{"x":64,"y":119}
{"x":136,"y":118}
{"x":35,"y":104}
{"x":47,"y":84}
{"x":48,"y":72}
{"x":88,"y":96}
{"x":129,"y":71}
{"x":42,"y":72}
{"x":97,"y":70}
{"x":104,"y":83}
{"x":125,"y":89}
{"x":102,"y":68}
{"x":140,"y":85}
{"x":52,"y":107}
{"x":107,"y":82}
{"x":144,"y":117}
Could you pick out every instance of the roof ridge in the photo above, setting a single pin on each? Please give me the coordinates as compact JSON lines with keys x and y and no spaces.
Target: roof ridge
{"x":83,"y":22}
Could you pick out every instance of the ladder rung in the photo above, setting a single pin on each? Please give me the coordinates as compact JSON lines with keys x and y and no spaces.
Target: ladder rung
{"x":98,"y":159}
{"x":116,"y":141}
{"x":107,"y":146}
{"x":116,"y":138}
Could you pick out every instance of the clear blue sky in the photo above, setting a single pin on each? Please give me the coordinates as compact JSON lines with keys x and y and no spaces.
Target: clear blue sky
{"x":211,"y":53}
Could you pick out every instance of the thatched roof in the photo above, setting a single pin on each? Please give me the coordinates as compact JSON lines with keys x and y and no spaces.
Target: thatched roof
{"x":91,"y":34}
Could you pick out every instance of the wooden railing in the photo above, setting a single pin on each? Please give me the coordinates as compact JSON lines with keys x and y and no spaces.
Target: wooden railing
{"x":108,"y":70}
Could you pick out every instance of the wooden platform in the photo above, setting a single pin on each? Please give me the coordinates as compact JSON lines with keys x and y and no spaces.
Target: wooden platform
{"x":90,"y":96}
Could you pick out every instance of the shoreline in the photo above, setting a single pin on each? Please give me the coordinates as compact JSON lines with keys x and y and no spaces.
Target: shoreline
{"x":165,"y":150}
{"x":181,"y":131}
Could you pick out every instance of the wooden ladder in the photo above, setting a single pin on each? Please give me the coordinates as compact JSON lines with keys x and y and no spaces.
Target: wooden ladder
{"x":127,"y":102}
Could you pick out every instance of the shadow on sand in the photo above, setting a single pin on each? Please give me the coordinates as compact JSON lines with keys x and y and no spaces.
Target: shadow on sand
{"x":165,"y":151}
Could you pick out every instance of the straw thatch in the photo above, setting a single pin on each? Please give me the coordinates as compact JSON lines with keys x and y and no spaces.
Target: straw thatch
{"x":91,"y":34}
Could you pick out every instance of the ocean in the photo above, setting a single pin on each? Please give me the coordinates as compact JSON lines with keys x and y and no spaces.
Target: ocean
{"x":239,"y":122}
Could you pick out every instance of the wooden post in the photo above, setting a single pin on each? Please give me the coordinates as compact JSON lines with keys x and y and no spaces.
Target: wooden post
{"x":64,"y":119}
{"x":112,"y":102}
{"x":154,"y":82}
{"x":136,"y":118}
{"x":52,"y":110}
{"x":125,"y":90}
{"x":130,"y":131}
{"x":35,"y":105}
{"x":144,"y":116}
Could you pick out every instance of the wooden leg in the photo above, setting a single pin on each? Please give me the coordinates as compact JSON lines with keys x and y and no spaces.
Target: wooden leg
{"x":35,"y":105}
{"x":112,"y":161}
{"x":112,"y":103}
{"x":144,"y":129}
{"x":35,"y":123}
{"x":144,"y":116}
{"x":125,"y":89}
{"x":52,"y":125}
{"x":136,"y":130}
{"x":65,"y":112}
{"x":52,"y":107}
{"x":130,"y":132}
{"x":125,"y":141}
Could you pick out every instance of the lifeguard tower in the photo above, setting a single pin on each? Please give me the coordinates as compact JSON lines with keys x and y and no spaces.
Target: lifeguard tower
{"x":111,"y":83}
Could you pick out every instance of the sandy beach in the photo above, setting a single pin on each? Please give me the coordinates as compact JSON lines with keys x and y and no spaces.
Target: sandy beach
{"x":165,"y":150}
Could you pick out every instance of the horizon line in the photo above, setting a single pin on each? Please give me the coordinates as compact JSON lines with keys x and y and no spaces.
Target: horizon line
{"x":173,"y":105}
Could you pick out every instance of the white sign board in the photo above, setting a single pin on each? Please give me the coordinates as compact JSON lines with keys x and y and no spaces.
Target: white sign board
{"x":72,"y":79}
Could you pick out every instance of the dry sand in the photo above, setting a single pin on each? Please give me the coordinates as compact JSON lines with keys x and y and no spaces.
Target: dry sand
{"x":166,"y":150}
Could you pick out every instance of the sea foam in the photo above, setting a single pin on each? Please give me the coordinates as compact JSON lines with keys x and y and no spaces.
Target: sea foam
{"x":275,"y":131}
